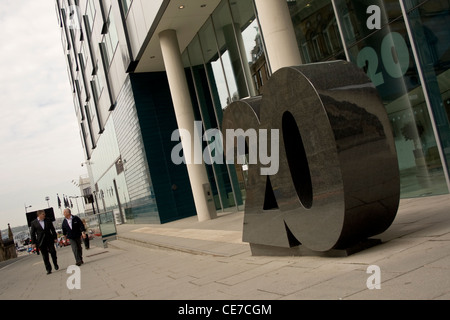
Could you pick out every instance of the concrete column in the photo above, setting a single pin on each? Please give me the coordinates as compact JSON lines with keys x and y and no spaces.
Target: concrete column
{"x":185,"y":118}
{"x":278,"y":32}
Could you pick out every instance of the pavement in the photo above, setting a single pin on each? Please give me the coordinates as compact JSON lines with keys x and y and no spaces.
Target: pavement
{"x":191,"y":260}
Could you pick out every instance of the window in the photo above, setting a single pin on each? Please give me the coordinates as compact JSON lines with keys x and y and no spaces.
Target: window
{"x":106,"y":63}
{"x":348,"y":28}
{"x":316,"y":30}
{"x":70,"y":69}
{"x":255,"y":79}
{"x":261,"y":77}
{"x":305,"y":51}
{"x":90,"y":13}
{"x":89,"y":123}
{"x":87,"y":26}
{"x":95,"y":87}
{"x":78,"y":96}
{"x":82,"y":59}
{"x":111,"y":39}
{"x":83,"y":138}
{"x":316,"y":46}
{"x":126,"y":4}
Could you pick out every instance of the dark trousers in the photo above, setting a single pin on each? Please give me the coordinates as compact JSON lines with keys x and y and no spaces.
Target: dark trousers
{"x":77,"y":249}
{"x":46,"y":249}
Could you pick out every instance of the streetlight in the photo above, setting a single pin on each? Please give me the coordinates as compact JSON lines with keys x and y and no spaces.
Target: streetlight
{"x":47,"y":198}
{"x":26,"y":207}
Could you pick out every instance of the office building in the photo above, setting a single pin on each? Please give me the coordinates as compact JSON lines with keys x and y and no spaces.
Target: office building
{"x":141,"y":69}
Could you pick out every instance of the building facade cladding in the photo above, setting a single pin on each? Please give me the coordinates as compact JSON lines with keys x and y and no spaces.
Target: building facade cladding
{"x":406,"y":57}
{"x":139,"y":18}
{"x":85,"y":26}
{"x":131,"y":145}
{"x":118,"y":143}
{"x":132,"y":157}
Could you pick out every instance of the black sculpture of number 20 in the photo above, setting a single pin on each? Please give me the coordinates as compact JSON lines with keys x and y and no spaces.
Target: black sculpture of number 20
{"x":338,"y":179}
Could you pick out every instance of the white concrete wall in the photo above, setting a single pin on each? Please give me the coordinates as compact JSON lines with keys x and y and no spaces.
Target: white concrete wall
{"x":140,"y":18}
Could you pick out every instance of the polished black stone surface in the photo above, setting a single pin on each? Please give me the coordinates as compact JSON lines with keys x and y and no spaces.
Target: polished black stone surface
{"x":338,"y":180}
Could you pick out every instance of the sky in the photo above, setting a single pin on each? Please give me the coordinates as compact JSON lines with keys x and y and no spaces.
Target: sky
{"x":40,"y":144}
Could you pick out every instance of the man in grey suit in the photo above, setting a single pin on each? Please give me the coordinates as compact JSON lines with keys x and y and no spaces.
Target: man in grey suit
{"x":73,"y":228}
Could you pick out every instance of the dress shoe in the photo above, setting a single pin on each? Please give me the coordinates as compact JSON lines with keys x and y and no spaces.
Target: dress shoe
{"x":78,"y":263}
{"x":49,"y":271}
{"x":56,"y":267}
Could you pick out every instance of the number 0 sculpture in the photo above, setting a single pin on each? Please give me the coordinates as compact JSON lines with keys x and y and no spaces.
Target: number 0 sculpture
{"x":338,"y":179}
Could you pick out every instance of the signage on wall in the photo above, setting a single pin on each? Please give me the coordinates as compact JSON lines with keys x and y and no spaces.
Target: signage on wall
{"x":393,"y":55}
{"x":374,"y":20}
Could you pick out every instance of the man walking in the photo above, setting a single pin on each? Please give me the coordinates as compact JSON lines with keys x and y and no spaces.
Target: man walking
{"x":43,"y":238}
{"x":73,"y":228}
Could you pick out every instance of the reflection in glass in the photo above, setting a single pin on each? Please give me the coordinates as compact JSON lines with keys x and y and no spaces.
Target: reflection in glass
{"x":211,"y":55}
{"x":225,"y":62}
{"x":429,"y":27}
{"x":386,"y":56}
{"x":209,"y":111}
{"x":107,"y":166}
{"x":246,"y":28}
{"x":230,"y":45}
{"x":107,"y":224}
{"x":201,"y":103}
{"x":317,"y":32}
{"x":229,"y":76}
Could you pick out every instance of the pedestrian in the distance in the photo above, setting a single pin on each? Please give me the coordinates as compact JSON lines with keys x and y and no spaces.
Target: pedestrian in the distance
{"x":86,"y":239}
{"x":73,"y":229}
{"x":43,"y":238}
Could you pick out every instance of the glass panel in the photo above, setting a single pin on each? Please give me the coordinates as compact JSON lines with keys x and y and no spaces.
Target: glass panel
{"x":91,"y":14}
{"x":107,"y":153}
{"x":218,"y":81}
{"x":317,"y":32}
{"x":209,"y":107}
{"x":226,"y":63}
{"x":107,"y":224}
{"x":247,"y":31}
{"x":230,"y":52}
{"x":429,"y":27}
{"x":200,"y":100}
{"x":218,"y":174}
{"x":386,"y":56}
{"x":126,"y":4}
{"x":111,"y":39}
{"x":108,"y":199}
{"x":185,"y":59}
{"x":112,"y":31}
{"x":220,"y":96}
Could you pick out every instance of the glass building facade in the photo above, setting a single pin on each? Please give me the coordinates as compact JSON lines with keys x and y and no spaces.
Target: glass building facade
{"x":406,"y":56}
{"x":218,"y":64}
{"x":126,"y":113}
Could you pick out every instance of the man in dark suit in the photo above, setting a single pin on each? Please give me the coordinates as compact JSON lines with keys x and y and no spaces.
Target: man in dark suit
{"x":73,"y":228}
{"x":44,"y":237}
